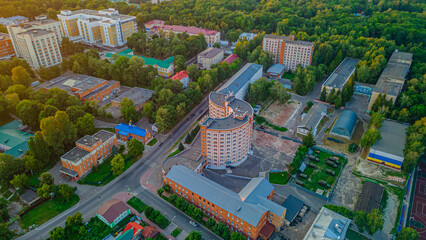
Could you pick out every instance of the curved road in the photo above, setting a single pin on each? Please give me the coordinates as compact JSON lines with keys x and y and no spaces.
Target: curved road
{"x":129,"y":181}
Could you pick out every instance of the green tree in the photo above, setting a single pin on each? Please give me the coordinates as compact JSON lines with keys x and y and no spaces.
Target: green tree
{"x":165,"y":118}
{"x":5,"y":233}
{"x":29,"y":111}
{"x":361,"y":220}
{"x":407,"y":233}
{"x":44,"y":191}
{"x":85,"y":125}
{"x":58,"y":132}
{"x":20,"y":181}
{"x":128,"y":111}
{"x":117,"y":164}
{"x":193,"y":71}
{"x":181,"y":147}
{"x":58,"y":233}
{"x":370,"y":137}
{"x":149,"y":110}
{"x":21,"y":76}
{"x":309,"y":140}
{"x":47,"y":111}
{"x":237,"y":236}
{"x":216,"y":45}
{"x":135,"y":147}
{"x":65,"y":192}
{"x":9,"y":166}
{"x":39,"y":148}
{"x":75,"y":112}
{"x":194,"y":236}
{"x":22,"y":91}
{"x":46,"y":178}
{"x":374,"y":221}
{"x":4,"y":213}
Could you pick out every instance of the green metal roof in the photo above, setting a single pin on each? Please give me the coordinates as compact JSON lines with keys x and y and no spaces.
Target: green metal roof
{"x":16,"y":140}
{"x":148,"y":61}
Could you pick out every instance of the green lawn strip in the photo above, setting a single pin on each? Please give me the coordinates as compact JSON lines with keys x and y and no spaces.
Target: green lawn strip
{"x":14,"y":198}
{"x":278,"y":177}
{"x":46,"y":211}
{"x":152,"y":142}
{"x":3,"y":188}
{"x":176,"y":232}
{"x":288,"y":75}
{"x":352,"y":235}
{"x":281,"y":129}
{"x":160,"y":237}
{"x":137,"y":204}
{"x":174,"y":153}
{"x":7,"y":194}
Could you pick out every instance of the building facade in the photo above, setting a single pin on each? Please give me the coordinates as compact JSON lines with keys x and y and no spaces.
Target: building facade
{"x":156,"y":26}
{"x":239,"y":83}
{"x":90,"y":26}
{"x":287,"y":51}
{"x":112,"y":212}
{"x":226,"y":134}
{"x":125,"y":132}
{"x":209,"y":57}
{"x":250,"y":211}
{"x":86,"y":88}
{"x":38,"y":42}
{"x":392,"y":79}
{"x":6,"y":47}
{"x":89,"y":151}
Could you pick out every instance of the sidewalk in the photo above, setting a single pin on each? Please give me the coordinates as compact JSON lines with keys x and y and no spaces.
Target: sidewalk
{"x":163,"y":232}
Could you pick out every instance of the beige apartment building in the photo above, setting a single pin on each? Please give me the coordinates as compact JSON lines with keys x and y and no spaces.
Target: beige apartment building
{"x":285,"y":50}
{"x":39,"y":47}
{"x":90,"y":26}
{"x":209,"y":57}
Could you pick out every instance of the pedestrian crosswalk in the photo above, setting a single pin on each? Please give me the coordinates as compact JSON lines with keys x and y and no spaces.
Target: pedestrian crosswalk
{"x":138,"y":190}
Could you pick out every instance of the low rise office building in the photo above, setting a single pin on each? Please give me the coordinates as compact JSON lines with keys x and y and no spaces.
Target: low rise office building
{"x":139,"y":97}
{"x":209,"y":57}
{"x":86,"y":88}
{"x":106,"y":26}
{"x":341,"y":76}
{"x":393,"y":77}
{"x":311,"y":120}
{"x":6,"y":47}
{"x":251,"y":211}
{"x":285,"y":50}
{"x":89,"y":151}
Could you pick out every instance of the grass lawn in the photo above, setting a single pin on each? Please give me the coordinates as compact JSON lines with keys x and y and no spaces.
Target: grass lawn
{"x":288,"y":75}
{"x":281,"y":129}
{"x":278,"y":177}
{"x":323,"y":121}
{"x":176,"y":232}
{"x":137,"y":204}
{"x":7,"y":194}
{"x":46,"y":211}
{"x":352,"y":235}
{"x":317,"y":174}
{"x":174,"y":153}
{"x":152,"y":142}
{"x":3,"y":188}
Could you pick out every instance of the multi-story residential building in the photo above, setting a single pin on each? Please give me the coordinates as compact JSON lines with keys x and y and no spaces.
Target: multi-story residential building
{"x":15,"y":20}
{"x":106,"y":26}
{"x":37,"y":42}
{"x":239,"y":83}
{"x":226,"y":134}
{"x":89,"y":151}
{"x":211,"y":36}
{"x":209,"y":57}
{"x":6,"y":47}
{"x":287,"y":51}
{"x":182,"y":77}
{"x":39,"y":48}
{"x":344,"y":73}
{"x":165,"y":67}
{"x":392,"y":79}
{"x":251,"y":211}
{"x":86,"y":88}
{"x":126,"y":132}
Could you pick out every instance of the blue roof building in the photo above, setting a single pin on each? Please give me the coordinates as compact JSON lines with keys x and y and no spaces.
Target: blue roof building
{"x":345,"y":125}
{"x":126,"y":132}
{"x":293,"y":206}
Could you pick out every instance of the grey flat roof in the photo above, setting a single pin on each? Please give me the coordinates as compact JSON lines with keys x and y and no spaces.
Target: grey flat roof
{"x":241,"y":78}
{"x":288,"y":39}
{"x":314,"y":116}
{"x":88,"y":140}
{"x":249,"y":211}
{"x":104,"y":135}
{"x":96,"y":13}
{"x":276,"y":68}
{"x":36,"y":32}
{"x":210,"y":52}
{"x":75,"y":154}
{"x":341,"y":74}
{"x":393,"y":138}
{"x":136,"y":94}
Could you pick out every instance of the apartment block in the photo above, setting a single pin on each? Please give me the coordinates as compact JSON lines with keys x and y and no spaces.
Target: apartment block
{"x":392,"y":79}
{"x":287,"y":51}
{"x":209,"y":57}
{"x":89,"y":151}
{"x":156,"y":26}
{"x":90,"y":26}
{"x":6,"y":47}
{"x":15,"y":20}
{"x":86,"y":88}
{"x":250,"y":212}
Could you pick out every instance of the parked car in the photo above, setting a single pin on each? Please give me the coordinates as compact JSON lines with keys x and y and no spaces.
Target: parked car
{"x":193,"y":223}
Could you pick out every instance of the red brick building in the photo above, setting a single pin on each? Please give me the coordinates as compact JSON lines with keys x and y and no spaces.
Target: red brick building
{"x":89,"y":151}
{"x":6,"y":47}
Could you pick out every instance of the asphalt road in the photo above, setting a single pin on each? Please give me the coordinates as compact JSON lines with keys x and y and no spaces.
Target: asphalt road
{"x":129,"y":180}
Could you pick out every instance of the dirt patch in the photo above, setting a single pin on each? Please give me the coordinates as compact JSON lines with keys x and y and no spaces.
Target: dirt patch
{"x":343,"y":147}
{"x":266,"y":140}
{"x":390,"y":213}
{"x":374,"y":171}
{"x":299,"y":231}
{"x":279,"y":114}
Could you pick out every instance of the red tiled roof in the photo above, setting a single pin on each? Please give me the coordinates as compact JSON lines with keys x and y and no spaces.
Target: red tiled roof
{"x":155,"y":21}
{"x":180,"y":75}
{"x":267,"y":230}
{"x":149,"y":232}
{"x":190,"y":30}
{"x":231,"y":58}
{"x":112,"y":209}
{"x":134,"y":226}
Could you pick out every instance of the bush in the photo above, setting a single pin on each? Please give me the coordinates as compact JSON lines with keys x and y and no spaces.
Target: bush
{"x":309,"y":104}
{"x":160,"y":191}
{"x":298,"y":159}
{"x":352,"y":147}
{"x":181,"y":147}
{"x":341,"y":210}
